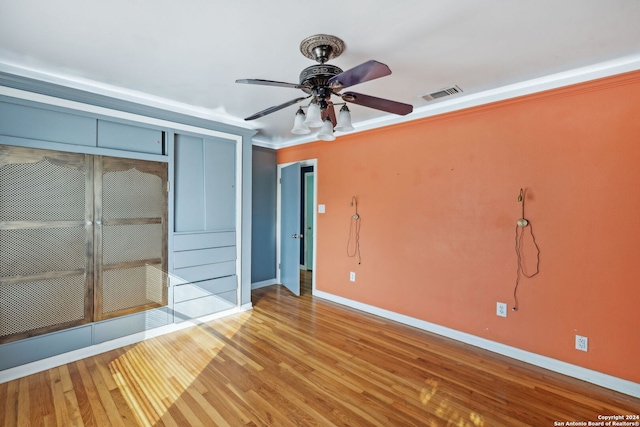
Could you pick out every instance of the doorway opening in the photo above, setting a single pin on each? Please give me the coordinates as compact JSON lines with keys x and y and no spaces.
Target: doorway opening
{"x":307,"y":195}
{"x":297,"y":201}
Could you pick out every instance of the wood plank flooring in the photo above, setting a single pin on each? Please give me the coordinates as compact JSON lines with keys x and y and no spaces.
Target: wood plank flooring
{"x":302,"y":362}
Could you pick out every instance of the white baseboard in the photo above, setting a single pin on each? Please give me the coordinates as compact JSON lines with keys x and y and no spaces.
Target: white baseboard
{"x":264,"y":283}
{"x":61,"y":359}
{"x":594,"y":377}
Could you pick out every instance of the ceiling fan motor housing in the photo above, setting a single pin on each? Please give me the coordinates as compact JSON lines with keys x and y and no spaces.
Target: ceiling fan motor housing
{"x":317,"y":76}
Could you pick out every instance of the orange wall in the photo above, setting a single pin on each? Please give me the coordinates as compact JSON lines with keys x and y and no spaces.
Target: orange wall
{"x":438,"y":202}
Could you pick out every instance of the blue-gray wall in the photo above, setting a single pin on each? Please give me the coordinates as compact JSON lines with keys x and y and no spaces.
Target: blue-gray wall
{"x":263,"y":224}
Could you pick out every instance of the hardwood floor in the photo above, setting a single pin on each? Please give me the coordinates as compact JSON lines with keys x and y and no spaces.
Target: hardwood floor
{"x":306,"y":283}
{"x":302,"y":362}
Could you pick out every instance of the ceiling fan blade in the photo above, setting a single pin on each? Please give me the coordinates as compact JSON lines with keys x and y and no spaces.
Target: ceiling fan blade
{"x":271,"y":83}
{"x":362,"y":73}
{"x":331,"y":112}
{"x":276,"y":108}
{"x":378,"y":103}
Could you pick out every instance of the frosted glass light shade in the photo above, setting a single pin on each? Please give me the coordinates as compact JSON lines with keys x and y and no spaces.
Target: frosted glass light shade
{"x":299,"y":128}
{"x":326,"y":133}
{"x":344,"y":120}
{"x":314,"y":119}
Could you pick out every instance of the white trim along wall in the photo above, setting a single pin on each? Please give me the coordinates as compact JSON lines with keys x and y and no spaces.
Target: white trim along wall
{"x":594,"y":377}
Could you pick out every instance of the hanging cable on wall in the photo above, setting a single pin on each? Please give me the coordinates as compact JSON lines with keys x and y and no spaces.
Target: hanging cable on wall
{"x":521,"y":225}
{"x":354,"y":232}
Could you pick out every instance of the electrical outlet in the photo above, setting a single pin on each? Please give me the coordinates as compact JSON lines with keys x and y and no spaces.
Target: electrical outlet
{"x":352,"y":276}
{"x":582,"y":343}
{"x":501,"y":309}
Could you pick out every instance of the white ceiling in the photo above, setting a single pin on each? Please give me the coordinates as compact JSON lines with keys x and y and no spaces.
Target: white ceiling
{"x":186,"y":55}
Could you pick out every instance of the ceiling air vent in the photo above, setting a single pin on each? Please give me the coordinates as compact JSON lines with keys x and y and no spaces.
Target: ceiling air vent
{"x":452,"y":90}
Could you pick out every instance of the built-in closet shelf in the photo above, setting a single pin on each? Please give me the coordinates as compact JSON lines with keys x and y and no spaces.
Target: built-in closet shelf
{"x":205,"y":247}
{"x":204,"y":288}
{"x":184,"y":241}
{"x":62,"y":127}
{"x":43,"y":124}
{"x":119,"y":136}
{"x":204,"y":273}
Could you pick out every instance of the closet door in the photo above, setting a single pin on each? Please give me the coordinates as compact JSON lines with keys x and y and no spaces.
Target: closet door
{"x":130,"y":236}
{"x":46,"y":202}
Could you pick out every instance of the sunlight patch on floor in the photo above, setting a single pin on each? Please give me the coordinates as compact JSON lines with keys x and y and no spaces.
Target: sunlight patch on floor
{"x":154,"y":375}
{"x":446,"y":411}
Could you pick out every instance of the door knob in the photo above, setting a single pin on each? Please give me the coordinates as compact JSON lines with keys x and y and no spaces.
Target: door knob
{"x":297,"y":236}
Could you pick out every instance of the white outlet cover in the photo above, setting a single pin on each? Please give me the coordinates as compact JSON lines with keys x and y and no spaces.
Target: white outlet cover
{"x":501,"y":309}
{"x":582,"y":343}
{"x":321,"y":209}
{"x":352,"y":276}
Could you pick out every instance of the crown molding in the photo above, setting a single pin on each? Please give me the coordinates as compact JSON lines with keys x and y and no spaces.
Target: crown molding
{"x":544,"y":86}
{"x":114,"y":98}
{"x":95,"y":93}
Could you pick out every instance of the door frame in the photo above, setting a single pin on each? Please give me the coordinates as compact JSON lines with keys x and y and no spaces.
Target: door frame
{"x":303,"y":163}
{"x":306,"y":219}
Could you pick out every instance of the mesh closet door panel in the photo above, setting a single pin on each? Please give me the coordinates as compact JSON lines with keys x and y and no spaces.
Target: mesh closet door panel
{"x":45,"y":240}
{"x":131,"y":236}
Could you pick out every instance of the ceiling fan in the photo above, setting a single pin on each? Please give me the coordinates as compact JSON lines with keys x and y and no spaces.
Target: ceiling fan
{"x":322,"y":81}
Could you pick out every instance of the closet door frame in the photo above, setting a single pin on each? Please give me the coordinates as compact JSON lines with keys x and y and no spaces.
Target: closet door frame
{"x":23,"y":156}
{"x":158,"y":169}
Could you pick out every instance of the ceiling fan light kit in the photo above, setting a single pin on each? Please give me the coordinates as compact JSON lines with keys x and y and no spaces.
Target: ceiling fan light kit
{"x":299,"y":128}
{"x":326,"y":131}
{"x":344,"y":120}
{"x":314,"y":116}
{"x":322,"y":81}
